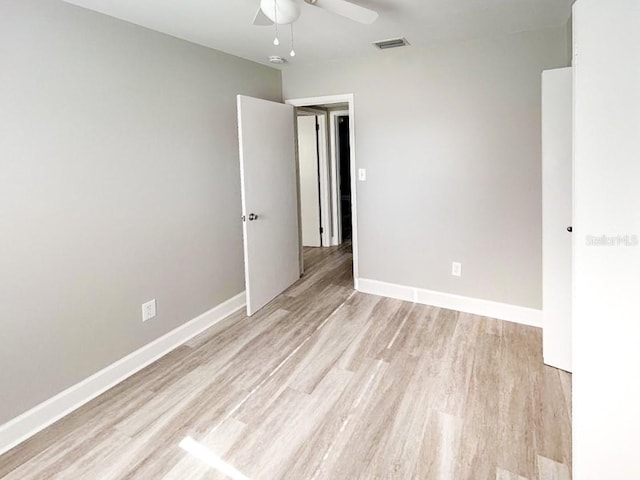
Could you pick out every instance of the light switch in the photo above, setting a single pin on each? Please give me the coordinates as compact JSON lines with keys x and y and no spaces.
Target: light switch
{"x":362,"y":174}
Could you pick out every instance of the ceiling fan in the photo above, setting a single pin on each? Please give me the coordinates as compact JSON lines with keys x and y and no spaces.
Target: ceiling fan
{"x":283,"y":12}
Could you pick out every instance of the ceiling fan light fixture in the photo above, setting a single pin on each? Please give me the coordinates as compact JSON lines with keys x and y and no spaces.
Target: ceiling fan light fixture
{"x":280,"y":12}
{"x":285,"y":12}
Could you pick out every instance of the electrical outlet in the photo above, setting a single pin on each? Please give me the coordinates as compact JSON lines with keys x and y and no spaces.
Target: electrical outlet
{"x":456,"y":269}
{"x":362,"y":174}
{"x":148,"y":310}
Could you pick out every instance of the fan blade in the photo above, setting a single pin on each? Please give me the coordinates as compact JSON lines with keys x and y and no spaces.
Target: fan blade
{"x":261,"y":19}
{"x":347,"y":9}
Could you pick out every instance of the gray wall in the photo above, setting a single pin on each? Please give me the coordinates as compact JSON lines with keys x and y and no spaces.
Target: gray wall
{"x":570,"y":39}
{"x":450,"y":138}
{"x":119,"y":182}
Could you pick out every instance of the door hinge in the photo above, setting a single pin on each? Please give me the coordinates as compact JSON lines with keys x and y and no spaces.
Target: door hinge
{"x":321,"y":230}
{"x":317,"y":127}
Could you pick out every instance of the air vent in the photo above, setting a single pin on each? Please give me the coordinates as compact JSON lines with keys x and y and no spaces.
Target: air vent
{"x":391,"y":43}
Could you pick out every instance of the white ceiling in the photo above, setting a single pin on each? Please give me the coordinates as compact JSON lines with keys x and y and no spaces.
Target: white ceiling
{"x":319,"y":35}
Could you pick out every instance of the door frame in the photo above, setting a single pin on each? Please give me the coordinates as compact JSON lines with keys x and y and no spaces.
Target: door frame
{"x":336,"y":99}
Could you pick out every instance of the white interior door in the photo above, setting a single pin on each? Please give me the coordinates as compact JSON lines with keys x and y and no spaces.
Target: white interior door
{"x":309,"y":180}
{"x":557,"y":173}
{"x":269,"y":199}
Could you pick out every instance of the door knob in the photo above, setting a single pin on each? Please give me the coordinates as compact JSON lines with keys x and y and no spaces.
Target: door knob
{"x":252,"y":217}
{"x":569,"y":229}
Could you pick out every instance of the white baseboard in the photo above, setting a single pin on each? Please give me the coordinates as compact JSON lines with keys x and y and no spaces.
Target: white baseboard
{"x":41,"y":416}
{"x":476,"y":306}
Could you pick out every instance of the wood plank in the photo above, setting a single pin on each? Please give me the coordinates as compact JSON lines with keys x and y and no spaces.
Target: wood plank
{"x":326,"y":383}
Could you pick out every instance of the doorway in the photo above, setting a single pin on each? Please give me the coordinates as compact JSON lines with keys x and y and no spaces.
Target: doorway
{"x":341,"y":155}
{"x":327,"y":174}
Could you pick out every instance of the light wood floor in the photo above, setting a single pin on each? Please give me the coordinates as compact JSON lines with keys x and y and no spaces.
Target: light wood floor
{"x":325,"y":383}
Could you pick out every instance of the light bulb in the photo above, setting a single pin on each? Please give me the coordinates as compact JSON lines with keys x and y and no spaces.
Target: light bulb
{"x":276,"y":42}
{"x":292,"y":53}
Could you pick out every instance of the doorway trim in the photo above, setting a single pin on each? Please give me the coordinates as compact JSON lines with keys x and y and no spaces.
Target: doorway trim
{"x":329,"y":100}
